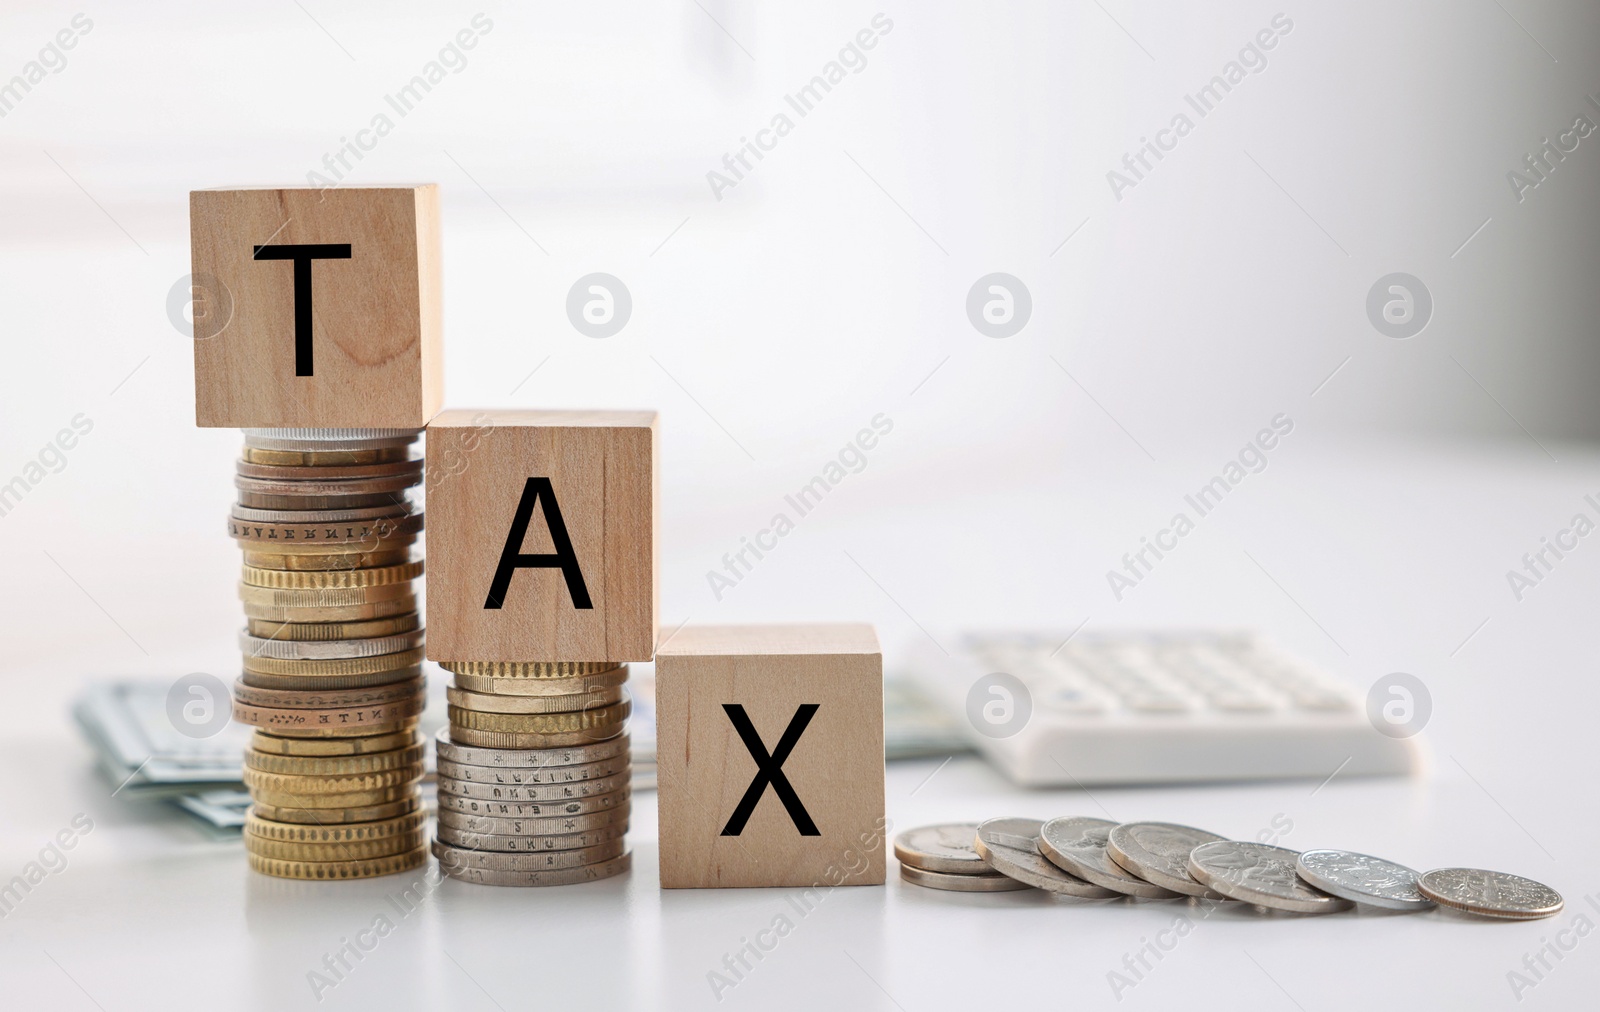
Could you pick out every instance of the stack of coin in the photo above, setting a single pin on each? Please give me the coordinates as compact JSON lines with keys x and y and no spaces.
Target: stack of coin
{"x":534,"y":773}
{"x":332,"y":677}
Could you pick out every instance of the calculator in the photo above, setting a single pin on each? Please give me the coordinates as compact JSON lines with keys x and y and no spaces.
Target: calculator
{"x":1059,"y":710}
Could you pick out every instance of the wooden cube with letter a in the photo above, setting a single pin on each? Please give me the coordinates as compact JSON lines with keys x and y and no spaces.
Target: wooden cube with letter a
{"x":542,"y":542}
{"x":316,"y":308}
{"x":769,"y":756}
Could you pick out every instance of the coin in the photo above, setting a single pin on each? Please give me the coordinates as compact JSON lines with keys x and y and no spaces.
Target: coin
{"x":274,"y":501}
{"x":534,"y":775}
{"x":342,"y":850}
{"x":1077,"y":845}
{"x":1362,"y":879}
{"x":480,"y":702}
{"x":946,"y":848}
{"x":451,"y":749}
{"x":262,"y":741}
{"x":535,"y":742}
{"x":333,"y":666}
{"x":540,"y":723}
{"x":1261,"y":874}
{"x":260,"y":646}
{"x":323,"y":487}
{"x":328,"y":439}
{"x":255,"y":679}
{"x":406,"y":467}
{"x":522,"y":808}
{"x":314,"y":517}
{"x":352,"y":783}
{"x":323,"y":579}
{"x":323,"y":458}
{"x":1158,"y":852}
{"x":308,"y":535}
{"x":322,"y":766}
{"x":605,"y":792}
{"x":394,"y":626}
{"x":1010,"y":847}
{"x":283,"y":720}
{"x":518,"y":843}
{"x":556,"y":877}
{"x":1490,"y":893}
{"x":400,"y":825}
{"x":337,"y":816}
{"x":332,"y":597}
{"x":323,"y":871}
{"x":543,"y":686}
{"x":352,"y":613}
{"x":528,"y":669}
{"x":991,"y":883}
{"x":487,"y":832}
{"x":300,"y":563}
{"x":329,"y":699}
{"x":539,"y":860}
{"x":337,"y":802}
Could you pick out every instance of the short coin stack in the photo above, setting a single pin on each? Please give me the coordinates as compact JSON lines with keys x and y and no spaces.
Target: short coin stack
{"x":534,"y":773}
{"x":1099,"y":859}
{"x":332,"y":677}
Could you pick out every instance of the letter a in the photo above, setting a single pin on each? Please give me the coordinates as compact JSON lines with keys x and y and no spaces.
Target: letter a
{"x":538,"y":491}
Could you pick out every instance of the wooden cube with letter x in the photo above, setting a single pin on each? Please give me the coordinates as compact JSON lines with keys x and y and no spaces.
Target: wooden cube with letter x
{"x":769,"y":756}
{"x":316,"y":308}
{"x":542,"y":541}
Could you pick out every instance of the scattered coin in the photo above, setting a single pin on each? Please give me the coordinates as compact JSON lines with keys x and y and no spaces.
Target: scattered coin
{"x":993,"y":882}
{"x":943,"y":848}
{"x":1158,"y":852}
{"x":1010,"y":846}
{"x":1261,"y":874}
{"x":1490,"y":893}
{"x":1362,"y":879}
{"x":1077,"y":845}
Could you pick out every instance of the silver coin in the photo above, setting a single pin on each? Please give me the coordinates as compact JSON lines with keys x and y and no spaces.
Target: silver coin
{"x":472,"y":823}
{"x":391,"y":512}
{"x":529,"y":758}
{"x":1490,"y":893}
{"x":549,"y":860}
{"x":1077,"y":845}
{"x":943,"y":848}
{"x":1362,"y":879}
{"x":991,"y":883}
{"x":509,"y":840}
{"x":1158,"y":852}
{"x":1260,"y":874}
{"x":312,"y":440}
{"x":260,"y":646}
{"x":531,"y":808}
{"x":535,"y":793}
{"x":531,"y":776}
{"x":1010,"y":847}
{"x":557,"y":877}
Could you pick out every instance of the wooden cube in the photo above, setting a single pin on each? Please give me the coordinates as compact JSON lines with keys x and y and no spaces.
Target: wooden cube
{"x":769,"y":756}
{"x":542,"y":535}
{"x":328,"y":306}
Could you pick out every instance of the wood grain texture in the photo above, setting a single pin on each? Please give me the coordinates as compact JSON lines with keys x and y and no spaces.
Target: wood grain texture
{"x":378,"y":359}
{"x":604,"y":468}
{"x":836,"y":767}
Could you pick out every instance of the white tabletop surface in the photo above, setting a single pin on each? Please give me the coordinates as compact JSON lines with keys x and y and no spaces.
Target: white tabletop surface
{"x":147,"y":914}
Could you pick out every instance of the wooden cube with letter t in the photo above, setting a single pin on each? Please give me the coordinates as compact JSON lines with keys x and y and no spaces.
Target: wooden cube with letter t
{"x":769,"y":756}
{"x":316,"y":308}
{"x":542,"y":541}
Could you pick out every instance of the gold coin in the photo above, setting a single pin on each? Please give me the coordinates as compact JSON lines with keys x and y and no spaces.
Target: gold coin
{"x":350,"y":799}
{"x":257,"y":680}
{"x":538,"y":723}
{"x":327,"y":563}
{"x":355,"y":832}
{"x":325,"y":579}
{"x":286,"y":721}
{"x":273,"y":501}
{"x":326,"y":698}
{"x":354,"y":783}
{"x":487,"y":703}
{"x":334,"y":766}
{"x":354,"y":850}
{"x":310,"y":535}
{"x":503,"y":739}
{"x":325,"y":458}
{"x":333,"y":666}
{"x":406,"y":467}
{"x":328,"y":871}
{"x":335,"y":630}
{"x":334,"y":817}
{"x":543,"y":686}
{"x":351,"y":613}
{"x":329,"y":485}
{"x":528,"y":669}
{"x":308,"y":733}
{"x":331,"y":597}
{"x":261,"y":741}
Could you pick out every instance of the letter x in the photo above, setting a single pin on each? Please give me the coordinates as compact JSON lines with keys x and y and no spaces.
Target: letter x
{"x":769,"y":769}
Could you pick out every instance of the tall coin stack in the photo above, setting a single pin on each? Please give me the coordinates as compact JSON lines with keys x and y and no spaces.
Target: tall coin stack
{"x":332,"y":677}
{"x":534,"y":773}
